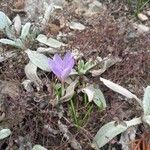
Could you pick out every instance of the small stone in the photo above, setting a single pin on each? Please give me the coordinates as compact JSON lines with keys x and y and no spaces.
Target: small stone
{"x":95,"y":6}
{"x":148,"y":13}
{"x":141,"y":28}
{"x":76,"y":26}
{"x":142,"y":17}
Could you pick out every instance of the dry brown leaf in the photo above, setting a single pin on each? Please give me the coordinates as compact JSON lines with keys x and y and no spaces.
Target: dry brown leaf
{"x":11,"y":89}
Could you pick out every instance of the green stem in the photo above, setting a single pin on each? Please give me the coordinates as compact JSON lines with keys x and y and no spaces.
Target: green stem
{"x":62,"y":89}
{"x":86,"y":115}
{"x":85,"y":99}
{"x":73,"y":112}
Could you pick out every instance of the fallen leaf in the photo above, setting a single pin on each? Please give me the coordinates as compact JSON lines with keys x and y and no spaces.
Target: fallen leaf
{"x":27,"y":85}
{"x":69,"y":92}
{"x":31,"y":73}
{"x":11,"y":89}
{"x":105,"y":64}
{"x":126,"y":137}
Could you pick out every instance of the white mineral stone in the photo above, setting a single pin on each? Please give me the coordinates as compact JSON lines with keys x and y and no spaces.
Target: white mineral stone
{"x":142,"y":17}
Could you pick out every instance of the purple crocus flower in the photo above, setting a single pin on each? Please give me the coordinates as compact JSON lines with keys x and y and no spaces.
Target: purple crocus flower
{"x":61,"y":67}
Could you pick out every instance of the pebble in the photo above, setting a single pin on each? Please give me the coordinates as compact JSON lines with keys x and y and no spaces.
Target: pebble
{"x":141,"y":28}
{"x":142,"y":17}
{"x":76,"y":26}
{"x":148,"y":13}
{"x":95,"y":6}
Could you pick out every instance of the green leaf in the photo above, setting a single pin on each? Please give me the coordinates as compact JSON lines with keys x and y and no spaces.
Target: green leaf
{"x":146,"y":101}
{"x":25,"y":30}
{"x":38,"y":147}
{"x":4,"y":21}
{"x":38,"y":60}
{"x":88,"y":65}
{"x":107,"y":133}
{"x":80,"y":66}
{"x":84,"y":67}
{"x":49,"y":41}
{"x":4,"y":133}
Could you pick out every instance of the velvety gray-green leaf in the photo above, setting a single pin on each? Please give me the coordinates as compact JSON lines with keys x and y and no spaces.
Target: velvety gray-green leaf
{"x":17,"y":43}
{"x":10,"y":32}
{"x":47,"y":50}
{"x":38,"y":147}
{"x":38,"y":59}
{"x":4,"y":21}
{"x":146,"y":119}
{"x":146,"y":101}
{"x":49,"y":41}
{"x":25,"y":30}
{"x":107,"y":133}
{"x":95,"y":95}
{"x":111,"y":130}
{"x":99,"y":99}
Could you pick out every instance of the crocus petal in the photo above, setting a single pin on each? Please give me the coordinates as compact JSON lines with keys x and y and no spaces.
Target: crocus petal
{"x":68,"y":60}
{"x":57,"y":59}
{"x":61,"y":68}
{"x":55,"y":69}
{"x":65,"y":73}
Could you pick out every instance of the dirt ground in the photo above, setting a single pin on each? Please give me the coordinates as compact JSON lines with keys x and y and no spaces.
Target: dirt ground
{"x":109,"y":31}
